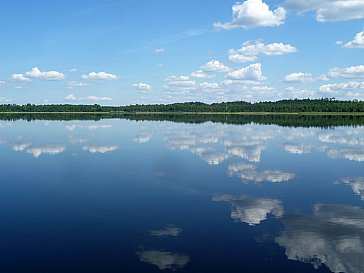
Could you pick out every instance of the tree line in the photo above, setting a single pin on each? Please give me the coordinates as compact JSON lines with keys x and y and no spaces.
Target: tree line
{"x":283,"y":106}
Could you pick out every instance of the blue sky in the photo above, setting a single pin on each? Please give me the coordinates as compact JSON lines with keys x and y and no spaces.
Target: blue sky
{"x":164,"y":51}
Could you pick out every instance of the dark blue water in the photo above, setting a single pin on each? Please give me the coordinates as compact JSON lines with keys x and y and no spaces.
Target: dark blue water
{"x":125,"y":196}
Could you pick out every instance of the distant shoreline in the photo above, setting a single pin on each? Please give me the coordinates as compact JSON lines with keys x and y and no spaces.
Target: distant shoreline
{"x":202,"y":113}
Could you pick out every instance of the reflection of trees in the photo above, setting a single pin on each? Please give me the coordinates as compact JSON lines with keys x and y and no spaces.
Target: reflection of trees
{"x":251,"y":210}
{"x":333,"y":236}
{"x":322,"y":121}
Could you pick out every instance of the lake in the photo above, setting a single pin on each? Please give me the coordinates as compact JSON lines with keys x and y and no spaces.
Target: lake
{"x":126,"y":195}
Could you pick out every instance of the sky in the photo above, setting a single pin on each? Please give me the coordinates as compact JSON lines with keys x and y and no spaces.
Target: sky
{"x":165,"y":51}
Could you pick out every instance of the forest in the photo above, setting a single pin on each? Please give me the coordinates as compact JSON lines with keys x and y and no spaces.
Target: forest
{"x":282,"y":106}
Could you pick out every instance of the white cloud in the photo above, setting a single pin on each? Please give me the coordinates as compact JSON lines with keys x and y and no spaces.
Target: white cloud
{"x":252,"y":72}
{"x":159,"y":50}
{"x":142,"y":86}
{"x":73,"y":70}
{"x":329,"y":10}
{"x":185,"y":85}
{"x":72,"y":97}
{"x":299,"y":77}
{"x":251,"y":210}
{"x":99,"y":76}
{"x":46,"y":75}
{"x":163,"y":259}
{"x":200,"y":74}
{"x":209,"y":85}
{"x":357,"y":42}
{"x":253,"y":13}
{"x":94,"y":98}
{"x":342,"y":87}
{"x":100,"y":149}
{"x":2,"y":83}
{"x":250,"y":51}
{"x":347,"y":72}
{"x":19,"y":78}
{"x":75,"y":84}
{"x":215,"y":66}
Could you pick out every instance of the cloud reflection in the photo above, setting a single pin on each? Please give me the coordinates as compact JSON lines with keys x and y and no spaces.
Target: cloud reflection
{"x":170,"y":230}
{"x":251,"y":210}
{"x":142,"y":138}
{"x":248,"y":173}
{"x":164,"y":259}
{"x":356,"y":183}
{"x":333,"y":236}
{"x":50,"y":149}
{"x":100,"y":149}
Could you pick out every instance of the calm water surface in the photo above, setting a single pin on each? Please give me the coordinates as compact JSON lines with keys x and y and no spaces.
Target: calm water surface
{"x":126,"y":196}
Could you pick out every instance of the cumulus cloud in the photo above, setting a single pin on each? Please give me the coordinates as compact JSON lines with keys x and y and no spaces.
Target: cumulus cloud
{"x":19,"y":78}
{"x":252,"y":72}
{"x":299,"y":93}
{"x":357,"y":42}
{"x":142,"y":86}
{"x":94,"y":98}
{"x":342,"y":87}
{"x":251,"y":210}
{"x":347,"y":72}
{"x":99,"y":76}
{"x":253,"y":13}
{"x":164,"y":259}
{"x":250,"y":50}
{"x":72,"y":97}
{"x":159,"y":50}
{"x":329,"y":10}
{"x":200,"y":74}
{"x":215,"y":66}
{"x":169,"y":230}
{"x":75,"y":84}
{"x":185,"y":85}
{"x":50,"y":149}
{"x":46,"y":75}
{"x":100,"y":149}
{"x":298,"y":77}
{"x":333,"y":236}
